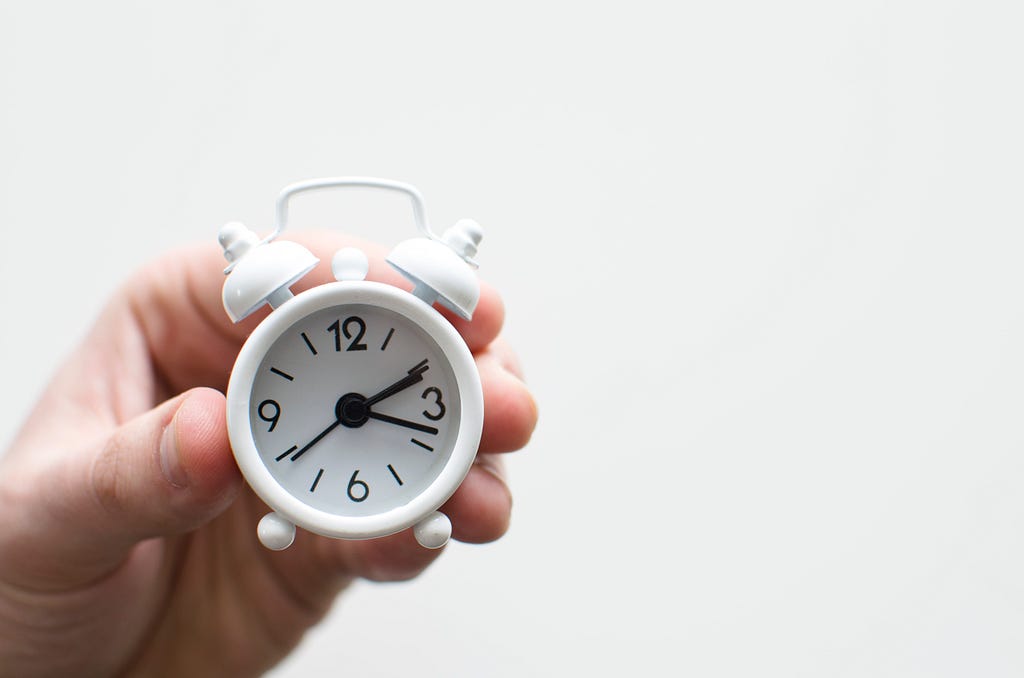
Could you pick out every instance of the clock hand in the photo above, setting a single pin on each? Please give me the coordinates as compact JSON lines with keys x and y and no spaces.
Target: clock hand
{"x":402,"y":422}
{"x":415,"y":375}
{"x":314,"y":441}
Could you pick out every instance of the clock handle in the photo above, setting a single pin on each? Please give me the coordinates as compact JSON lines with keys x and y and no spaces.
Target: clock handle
{"x":419,"y":212}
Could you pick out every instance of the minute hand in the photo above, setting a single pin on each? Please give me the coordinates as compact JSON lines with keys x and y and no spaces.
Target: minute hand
{"x":314,"y":441}
{"x":402,"y":422}
{"x":415,"y":375}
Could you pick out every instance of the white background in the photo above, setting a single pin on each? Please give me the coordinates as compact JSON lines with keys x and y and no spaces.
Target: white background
{"x":762,"y":262}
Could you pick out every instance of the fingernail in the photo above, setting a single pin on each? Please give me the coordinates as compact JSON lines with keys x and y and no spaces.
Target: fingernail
{"x":170,"y":458}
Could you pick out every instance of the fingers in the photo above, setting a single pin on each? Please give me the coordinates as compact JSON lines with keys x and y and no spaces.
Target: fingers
{"x":477,"y":333}
{"x":481,"y":509}
{"x":510,"y":412}
{"x":177,"y":303}
{"x":162,"y":473}
{"x":487,"y":319}
{"x":395,"y":558}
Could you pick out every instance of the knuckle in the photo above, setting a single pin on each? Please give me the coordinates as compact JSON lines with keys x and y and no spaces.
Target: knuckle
{"x":108,"y":477}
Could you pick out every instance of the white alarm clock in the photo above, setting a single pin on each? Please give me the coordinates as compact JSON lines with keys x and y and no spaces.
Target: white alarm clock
{"x":354,"y":409}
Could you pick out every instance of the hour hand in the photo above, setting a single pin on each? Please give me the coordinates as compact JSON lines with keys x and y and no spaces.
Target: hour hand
{"x":415,"y":375}
{"x":402,"y":422}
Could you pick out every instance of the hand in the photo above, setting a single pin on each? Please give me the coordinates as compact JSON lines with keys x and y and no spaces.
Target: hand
{"x":127,"y":537}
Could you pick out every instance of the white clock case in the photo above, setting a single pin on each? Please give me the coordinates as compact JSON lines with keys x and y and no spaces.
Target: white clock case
{"x":240,"y":428}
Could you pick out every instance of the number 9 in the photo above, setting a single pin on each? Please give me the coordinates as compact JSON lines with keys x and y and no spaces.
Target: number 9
{"x":271,"y":419}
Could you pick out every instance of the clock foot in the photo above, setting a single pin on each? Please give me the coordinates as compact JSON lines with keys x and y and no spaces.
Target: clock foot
{"x":433,"y":531}
{"x":275,"y":532}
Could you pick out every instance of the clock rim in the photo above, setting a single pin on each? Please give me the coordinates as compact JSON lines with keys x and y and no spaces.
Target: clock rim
{"x":239,"y":393}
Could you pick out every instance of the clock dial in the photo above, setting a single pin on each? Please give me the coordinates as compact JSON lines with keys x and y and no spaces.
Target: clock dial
{"x":354,"y":410}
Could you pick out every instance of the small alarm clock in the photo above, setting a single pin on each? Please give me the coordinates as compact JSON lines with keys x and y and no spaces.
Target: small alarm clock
{"x":354,"y":410}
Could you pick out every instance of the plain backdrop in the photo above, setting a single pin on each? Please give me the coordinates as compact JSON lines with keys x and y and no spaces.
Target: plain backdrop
{"x":762,"y":262}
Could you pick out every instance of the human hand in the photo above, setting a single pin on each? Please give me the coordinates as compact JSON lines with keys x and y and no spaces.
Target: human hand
{"x":127,"y":537}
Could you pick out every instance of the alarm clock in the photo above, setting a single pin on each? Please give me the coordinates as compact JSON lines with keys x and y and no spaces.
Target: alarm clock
{"x":354,"y":410}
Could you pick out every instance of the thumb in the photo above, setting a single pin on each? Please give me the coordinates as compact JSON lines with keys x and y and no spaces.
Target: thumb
{"x":165,"y":472}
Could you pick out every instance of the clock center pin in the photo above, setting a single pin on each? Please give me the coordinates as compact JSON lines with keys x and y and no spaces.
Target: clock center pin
{"x":351,"y":410}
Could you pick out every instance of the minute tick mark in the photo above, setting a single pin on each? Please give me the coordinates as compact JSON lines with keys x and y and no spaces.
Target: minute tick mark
{"x":286,"y":453}
{"x":309,"y":344}
{"x":426,"y":447}
{"x":282,"y":374}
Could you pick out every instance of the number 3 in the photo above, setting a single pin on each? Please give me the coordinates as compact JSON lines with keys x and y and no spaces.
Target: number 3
{"x":437,"y":401}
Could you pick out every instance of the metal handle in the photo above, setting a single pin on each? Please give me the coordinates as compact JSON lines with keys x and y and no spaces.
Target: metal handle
{"x":419,"y":212}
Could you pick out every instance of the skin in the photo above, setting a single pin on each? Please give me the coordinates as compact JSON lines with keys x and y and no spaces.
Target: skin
{"x":119,"y":559}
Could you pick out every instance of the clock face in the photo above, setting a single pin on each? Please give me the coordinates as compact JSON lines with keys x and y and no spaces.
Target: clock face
{"x":354,"y":410}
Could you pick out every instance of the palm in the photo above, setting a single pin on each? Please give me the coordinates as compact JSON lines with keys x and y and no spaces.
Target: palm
{"x":226,"y":605}
{"x":208,"y":599}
